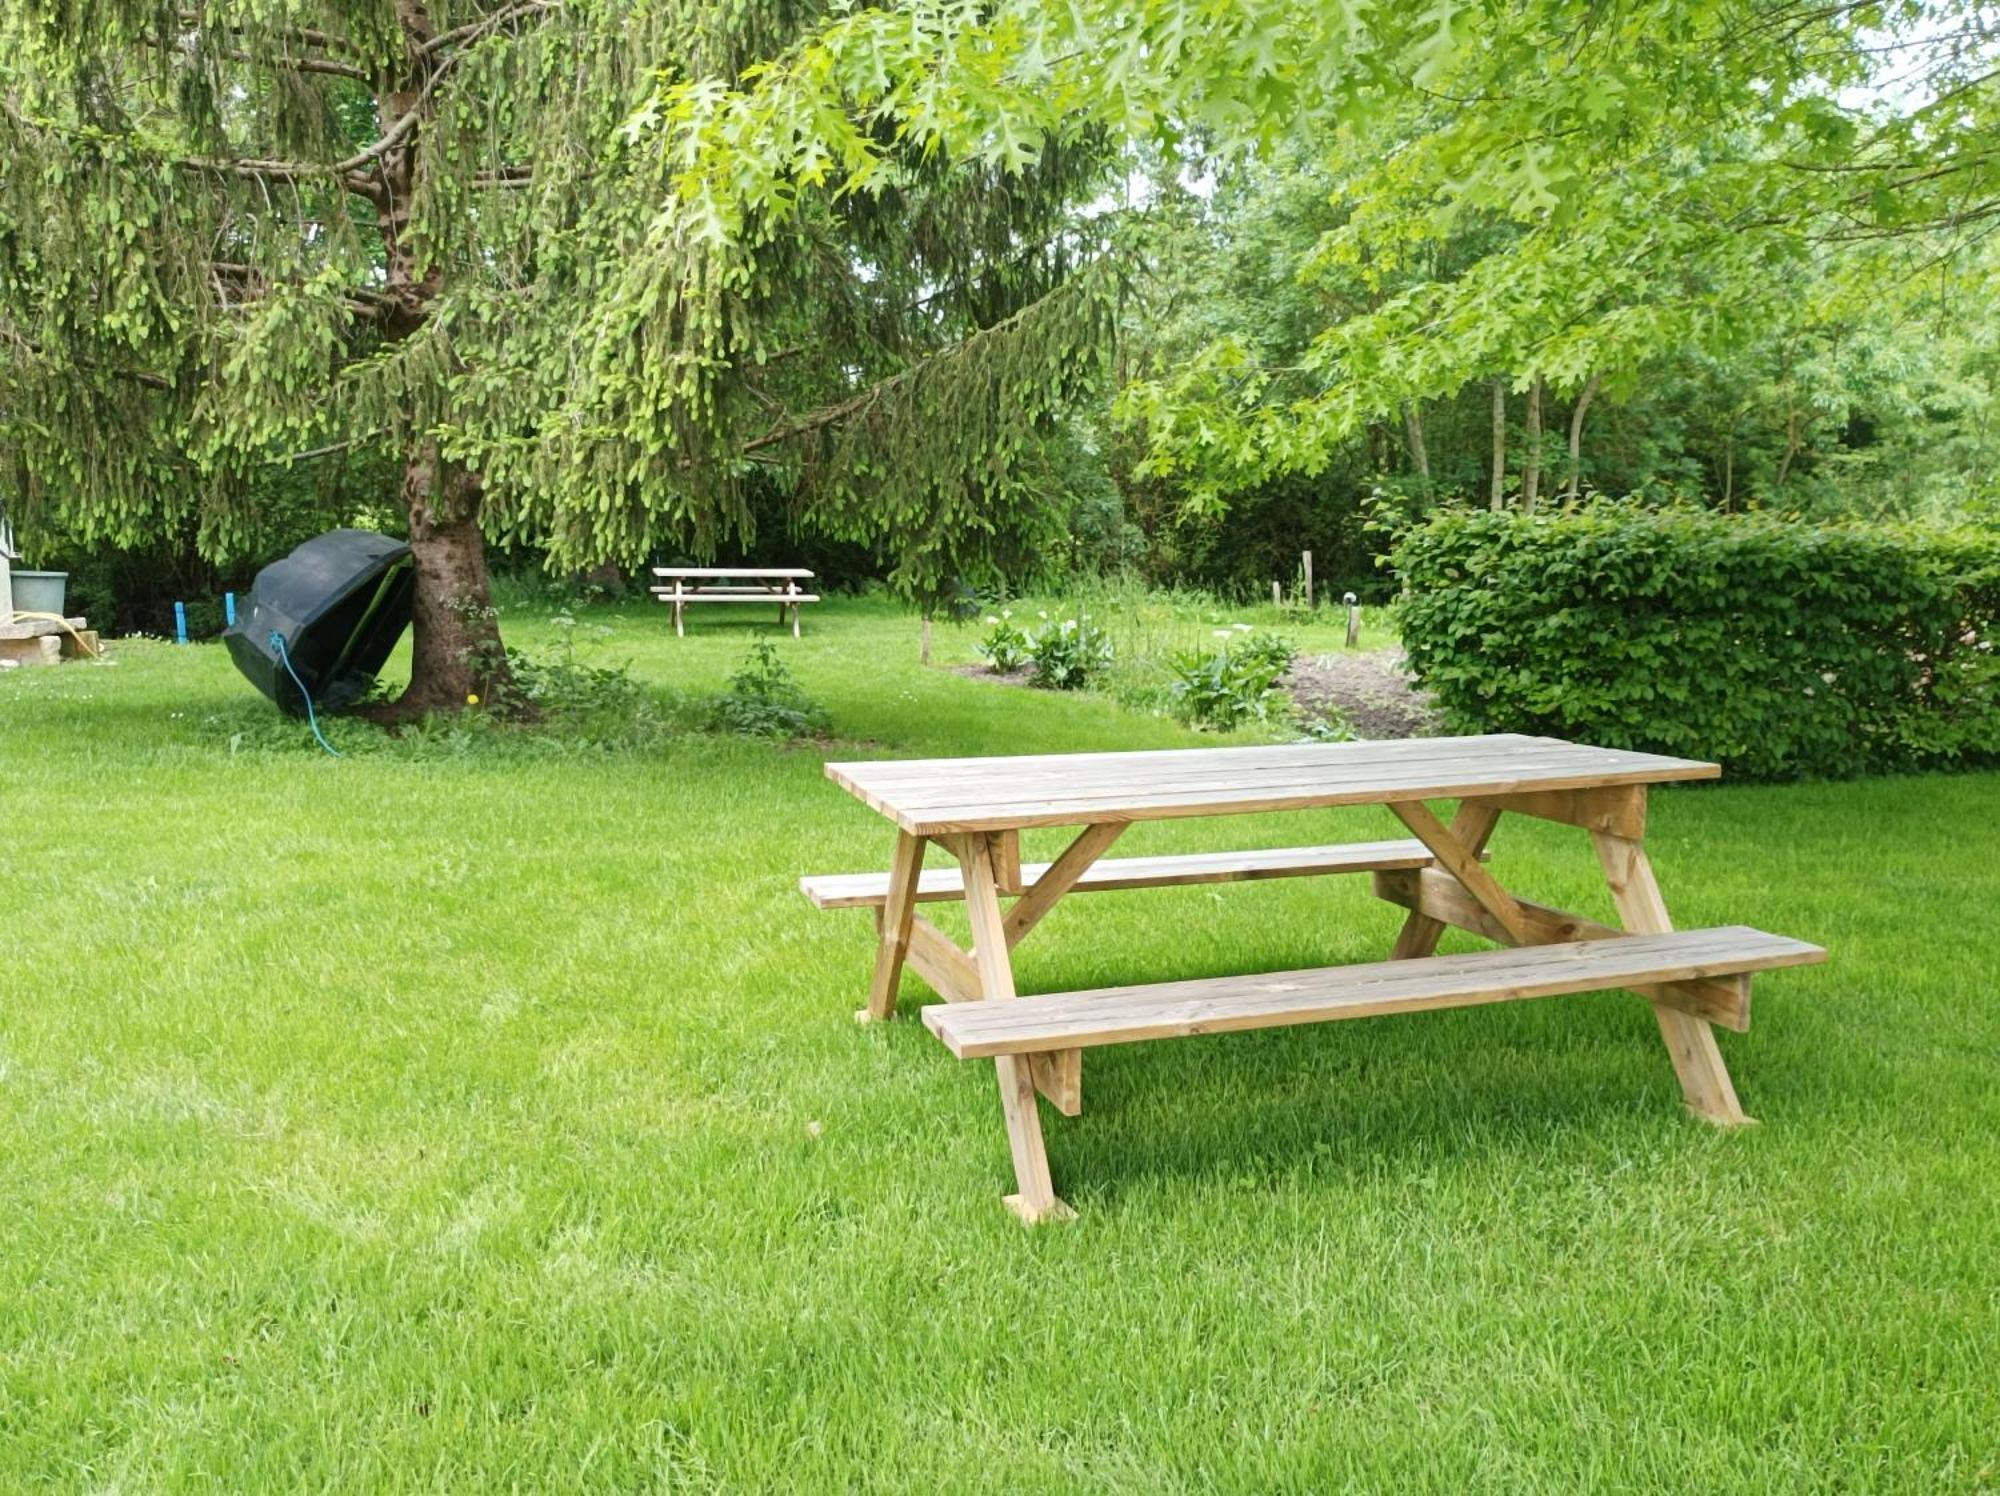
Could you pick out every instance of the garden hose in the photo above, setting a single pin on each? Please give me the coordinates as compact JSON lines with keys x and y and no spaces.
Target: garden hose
{"x":93,"y":650}
{"x":312,"y":717}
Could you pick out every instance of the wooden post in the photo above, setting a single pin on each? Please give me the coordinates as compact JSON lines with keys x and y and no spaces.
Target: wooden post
{"x":6,"y":589}
{"x":1035,"y":1199}
{"x":1277,"y":595}
{"x":1308,"y":556}
{"x":1353,"y":619}
{"x":679,"y":631}
{"x":1705,"y":1083}
{"x":924,"y":646}
{"x":897,"y":916}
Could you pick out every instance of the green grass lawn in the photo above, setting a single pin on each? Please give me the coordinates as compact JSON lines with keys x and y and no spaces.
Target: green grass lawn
{"x":458,"y":1121}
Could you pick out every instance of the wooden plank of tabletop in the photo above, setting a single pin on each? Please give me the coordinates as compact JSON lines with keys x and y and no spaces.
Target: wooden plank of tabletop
{"x":1184,"y":763}
{"x":730,"y":571}
{"x":1029,"y":775}
{"x":929,"y":797}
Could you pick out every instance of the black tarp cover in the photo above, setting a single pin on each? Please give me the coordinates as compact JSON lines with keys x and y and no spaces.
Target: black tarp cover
{"x":340,"y":602}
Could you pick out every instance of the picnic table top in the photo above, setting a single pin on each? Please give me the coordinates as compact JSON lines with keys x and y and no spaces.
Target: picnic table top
{"x":939,"y":796}
{"x":730,"y":571}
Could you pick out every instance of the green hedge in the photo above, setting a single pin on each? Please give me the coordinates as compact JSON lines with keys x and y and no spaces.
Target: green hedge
{"x":1776,"y":648}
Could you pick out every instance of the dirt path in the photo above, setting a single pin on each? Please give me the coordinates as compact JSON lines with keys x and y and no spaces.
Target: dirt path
{"x":1369,"y":691}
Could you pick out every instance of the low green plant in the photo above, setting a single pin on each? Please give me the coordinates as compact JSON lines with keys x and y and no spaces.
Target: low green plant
{"x":765,"y":700}
{"x":1005,"y":644}
{"x":1236,"y":682}
{"x":1067,"y":653}
{"x":1778,"y":648}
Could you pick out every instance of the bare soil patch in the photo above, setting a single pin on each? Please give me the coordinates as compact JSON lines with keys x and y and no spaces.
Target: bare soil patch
{"x":1370,"y":691}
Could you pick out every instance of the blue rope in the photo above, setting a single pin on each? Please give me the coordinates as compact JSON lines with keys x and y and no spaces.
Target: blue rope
{"x":312,"y":719}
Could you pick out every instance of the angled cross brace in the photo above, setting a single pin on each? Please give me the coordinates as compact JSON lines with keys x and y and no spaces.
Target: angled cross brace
{"x":1723,"y":1000}
{"x":1468,"y":896}
{"x":967,"y":976}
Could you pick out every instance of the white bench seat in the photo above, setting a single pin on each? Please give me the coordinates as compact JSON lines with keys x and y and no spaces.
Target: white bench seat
{"x":1166,"y":1010}
{"x":864,"y":890}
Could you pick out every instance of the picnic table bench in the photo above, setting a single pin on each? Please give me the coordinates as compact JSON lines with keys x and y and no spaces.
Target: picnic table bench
{"x":976,"y":809}
{"x":686,"y":585}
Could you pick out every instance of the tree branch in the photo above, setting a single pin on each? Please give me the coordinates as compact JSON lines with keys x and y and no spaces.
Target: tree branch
{"x":833,"y":415}
{"x":472,"y":29}
{"x":326,"y":65}
{"x":138,"y":376}
{"x":326,"y":41}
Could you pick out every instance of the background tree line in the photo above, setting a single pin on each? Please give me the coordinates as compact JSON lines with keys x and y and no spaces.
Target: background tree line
{"x":959,"y":292}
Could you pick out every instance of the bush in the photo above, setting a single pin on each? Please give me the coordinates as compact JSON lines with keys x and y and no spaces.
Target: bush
{"x":1777,"y":648}
{"x":1066,"y":654}
{"x":765,"y":700}
{"x":1004,"y":646}
{"x":1224,"y":688}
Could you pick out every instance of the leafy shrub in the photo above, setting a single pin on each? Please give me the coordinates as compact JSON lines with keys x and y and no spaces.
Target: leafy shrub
{"x":1005,"y":645}
{"x":1777,"y":648}
{"x":1066,"y":654}
{"x":1331,"y":727}
{"x":765,"y":700}
{"x":1224,"y":688}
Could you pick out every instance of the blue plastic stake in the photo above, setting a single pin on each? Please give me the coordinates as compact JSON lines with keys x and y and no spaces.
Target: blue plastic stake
{"x":180,"y":623}
{"x":229,"y":609}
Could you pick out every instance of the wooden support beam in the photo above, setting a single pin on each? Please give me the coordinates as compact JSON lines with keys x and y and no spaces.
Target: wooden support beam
{"x":1723,"y":1000}
{"x":952,"y":974}
{"x":1090,"y":844}
{"x":1059,"y":1077}
{"x":1007,"y":861}
{"x":1460,"y":858}
{"x":904,"y":867}
{"x":1704,"y":1079}
{"x":1472,"y":826}
{"x":1617,"y":808}
{"x":1035,"y":1199}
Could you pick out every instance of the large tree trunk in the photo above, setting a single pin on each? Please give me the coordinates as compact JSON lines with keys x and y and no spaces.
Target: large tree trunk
{"x":457,"y":659}
{"x":1499,"y":493}
{"x":1583,"y":399}
{"x":1531,"y":465}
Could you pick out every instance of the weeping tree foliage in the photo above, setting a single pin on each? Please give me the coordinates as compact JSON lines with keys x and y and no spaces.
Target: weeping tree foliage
{"x":235,"y":232}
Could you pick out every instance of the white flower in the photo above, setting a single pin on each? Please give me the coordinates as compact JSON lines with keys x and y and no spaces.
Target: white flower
{"x":991,"y":619}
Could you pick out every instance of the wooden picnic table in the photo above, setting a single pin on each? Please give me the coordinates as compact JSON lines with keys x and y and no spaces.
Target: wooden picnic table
{"x":975,"y":809}
{"x":686,"y":585}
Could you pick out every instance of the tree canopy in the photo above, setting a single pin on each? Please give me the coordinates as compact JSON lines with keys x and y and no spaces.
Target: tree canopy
{"x":237,"y":232}
{"x":610,"y":276}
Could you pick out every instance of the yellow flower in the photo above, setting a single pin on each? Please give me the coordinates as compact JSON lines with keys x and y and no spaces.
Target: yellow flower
{"x":472,"y":698}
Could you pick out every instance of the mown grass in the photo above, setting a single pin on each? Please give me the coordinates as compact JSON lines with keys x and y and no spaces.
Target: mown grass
{"x":453,"y":1118}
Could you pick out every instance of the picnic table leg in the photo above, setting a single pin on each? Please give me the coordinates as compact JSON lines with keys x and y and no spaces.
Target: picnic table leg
{"x":1470,"y":828}
{"x":680,"y":604}
{"x":896,"y":917}
{"x":1035,"y":1199}
{"x":1690,"y":1040}
{"x":1059,"y":1073}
